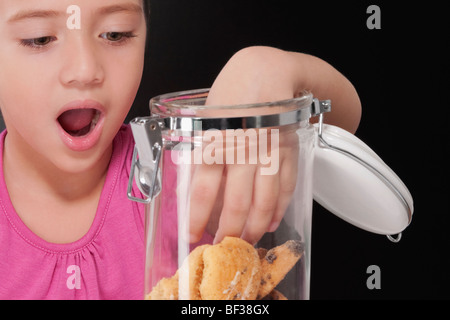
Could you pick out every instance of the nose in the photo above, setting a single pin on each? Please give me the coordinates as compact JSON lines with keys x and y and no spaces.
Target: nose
{"x":82,"y":64}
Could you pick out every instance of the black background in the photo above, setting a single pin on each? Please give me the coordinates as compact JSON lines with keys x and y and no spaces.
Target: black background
{"x":401,"y":73}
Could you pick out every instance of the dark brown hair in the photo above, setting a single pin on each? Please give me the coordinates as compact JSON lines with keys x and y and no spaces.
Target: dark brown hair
{"x":146,"y":8}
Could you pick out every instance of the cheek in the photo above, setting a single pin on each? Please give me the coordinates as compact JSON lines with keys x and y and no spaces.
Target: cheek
{"x":132,"y":66}
{"x":22,"y":98}
{"x":125,"y":78}
{"x":24,"y":101}
{"x":122,"y":82}
{"x":23,"y":84}
{"x":131,"y":63}
{"x":128,"y":77}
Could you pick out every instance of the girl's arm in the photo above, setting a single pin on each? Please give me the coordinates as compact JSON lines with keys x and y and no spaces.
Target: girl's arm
{"x":262,"y":74}
{"x":254,"y":204}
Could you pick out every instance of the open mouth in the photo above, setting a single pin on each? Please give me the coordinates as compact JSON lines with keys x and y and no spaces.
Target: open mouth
{"x":79,"y":122}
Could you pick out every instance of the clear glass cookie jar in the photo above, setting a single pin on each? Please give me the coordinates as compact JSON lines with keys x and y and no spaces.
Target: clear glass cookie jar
{"x":212,"y":176}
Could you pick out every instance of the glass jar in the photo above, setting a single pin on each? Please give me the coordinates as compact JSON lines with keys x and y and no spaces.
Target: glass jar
{"x":202,"y":167}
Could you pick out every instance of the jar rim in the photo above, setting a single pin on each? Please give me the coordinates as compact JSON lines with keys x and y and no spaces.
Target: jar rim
{"x":190,"y":102}
{"x":186,"y":111}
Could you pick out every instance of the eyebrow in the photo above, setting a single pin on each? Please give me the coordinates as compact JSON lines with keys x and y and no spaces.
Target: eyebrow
{"x":130,"y":7}
{"x":29,"y":14}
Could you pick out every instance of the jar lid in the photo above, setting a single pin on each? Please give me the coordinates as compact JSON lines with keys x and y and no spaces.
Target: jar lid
{"x":351,"y":181}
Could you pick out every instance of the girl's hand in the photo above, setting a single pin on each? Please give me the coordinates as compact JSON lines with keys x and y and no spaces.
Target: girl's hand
{"x":236,"y":199}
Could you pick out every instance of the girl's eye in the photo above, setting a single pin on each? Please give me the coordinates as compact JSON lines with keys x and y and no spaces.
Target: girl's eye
{"x":38,"y":43}
{"x":117,"y":37}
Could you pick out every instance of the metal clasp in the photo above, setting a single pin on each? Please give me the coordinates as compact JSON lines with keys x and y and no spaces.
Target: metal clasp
{"x":319,"y":107}
{"x":148,"y":139}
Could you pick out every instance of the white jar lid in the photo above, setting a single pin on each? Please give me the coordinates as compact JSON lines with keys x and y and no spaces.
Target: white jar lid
{"x":351,"y":181}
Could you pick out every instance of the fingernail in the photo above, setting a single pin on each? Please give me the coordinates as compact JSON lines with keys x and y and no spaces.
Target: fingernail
{"x":217,"y":239}
{"x":273,"y":226}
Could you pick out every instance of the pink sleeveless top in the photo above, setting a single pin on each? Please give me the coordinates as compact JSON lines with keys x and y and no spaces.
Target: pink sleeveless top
{"x":106,"y":263}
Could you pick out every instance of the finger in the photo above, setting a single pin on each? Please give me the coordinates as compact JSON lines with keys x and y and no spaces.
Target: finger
{"x":288,"y":184}
{"x":237,"y":200}
{"x":205,"y":186}
{"x":265,"y":200}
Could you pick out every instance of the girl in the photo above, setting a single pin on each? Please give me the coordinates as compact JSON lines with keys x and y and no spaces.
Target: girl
{"x":70,"y":71}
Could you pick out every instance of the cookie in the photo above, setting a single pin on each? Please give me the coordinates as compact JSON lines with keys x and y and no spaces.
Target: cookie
{"x":231,"y":271}
{"x":190,"y":274}
{"x":277,"y":263}
{"x":261,"y":252}
{"x":165,"y":289}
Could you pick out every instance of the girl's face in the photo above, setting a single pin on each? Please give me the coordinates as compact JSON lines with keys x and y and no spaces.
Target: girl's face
{"x":70,"y":70}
